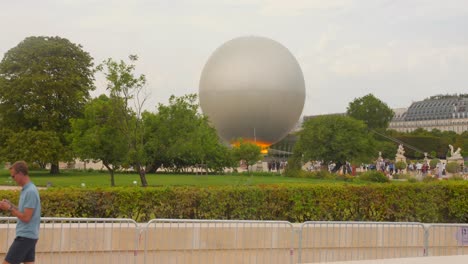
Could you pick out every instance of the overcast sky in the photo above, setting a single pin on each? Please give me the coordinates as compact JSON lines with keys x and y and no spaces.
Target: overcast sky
{"x":400,"y":51}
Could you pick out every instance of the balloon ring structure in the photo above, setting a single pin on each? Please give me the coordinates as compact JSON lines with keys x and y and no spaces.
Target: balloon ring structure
{"x":252,"y":88}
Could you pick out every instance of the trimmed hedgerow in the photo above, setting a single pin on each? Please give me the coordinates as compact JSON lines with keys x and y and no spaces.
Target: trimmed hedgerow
{"x":434,"y":202}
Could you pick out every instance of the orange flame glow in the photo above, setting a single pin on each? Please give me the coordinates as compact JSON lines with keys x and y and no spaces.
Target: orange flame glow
{"x":262,"y":144}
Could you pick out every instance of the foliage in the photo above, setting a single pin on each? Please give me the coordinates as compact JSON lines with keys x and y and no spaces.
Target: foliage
{"x":387,"y":148}
{"x":335,"y":139}
{"x":373,"y":176}
{"x":247,"y":151}
{"x":400,"y":165}
{"x":294,"y":167}
{"x":461,"y":141}
{"x":177,"y":137}
{"x":36,"y":147}
{"x":433,"y":163}
{"x":453,"y":167}
{"x":441,"y":202}
{"x":434,"y":142}
{"x":44,"y":82}
{"x":127,"y":88}
{"x":430,"y":179}
{"x":456,"y":177}
{"x":99,"y":134}
{"x":375,"y":113}
{"x":401,"y":176}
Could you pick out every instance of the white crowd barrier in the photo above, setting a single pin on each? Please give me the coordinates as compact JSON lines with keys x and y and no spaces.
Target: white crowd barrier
{"x":98,"y":240}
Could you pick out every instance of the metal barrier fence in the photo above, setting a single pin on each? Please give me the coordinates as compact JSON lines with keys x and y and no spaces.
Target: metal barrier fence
{"x":345,"y":241}
{"x":447,"y":239}
{"x":218,"y":241}
{"x":97,"y":240}
{"x":79,"y":240}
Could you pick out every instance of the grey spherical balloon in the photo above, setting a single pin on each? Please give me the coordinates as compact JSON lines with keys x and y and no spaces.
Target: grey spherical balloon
{"x":252,"y":88}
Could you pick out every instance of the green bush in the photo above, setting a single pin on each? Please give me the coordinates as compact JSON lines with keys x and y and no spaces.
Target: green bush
{"x":400,"y":165}
{"x":456,"y":177}
{"x":433,"y":163}
{"x":430,"y":179}
{"x":435,"y":202}
{"x":453,"y":167}
{"x":402,"y":176}
{"x":412,"y":179}
{"x":374,"y":176}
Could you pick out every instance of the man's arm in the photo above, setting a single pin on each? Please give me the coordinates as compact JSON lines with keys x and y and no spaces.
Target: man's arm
{"x":23,"y":216}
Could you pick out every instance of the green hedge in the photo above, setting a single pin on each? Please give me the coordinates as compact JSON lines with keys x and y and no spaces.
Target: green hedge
{"x":442,"y":202}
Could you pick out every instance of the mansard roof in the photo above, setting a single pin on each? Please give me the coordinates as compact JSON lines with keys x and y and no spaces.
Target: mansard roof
{"x":445,"y":108}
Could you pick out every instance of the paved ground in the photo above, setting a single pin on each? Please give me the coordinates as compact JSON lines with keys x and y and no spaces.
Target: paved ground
{"x":2,"y":187}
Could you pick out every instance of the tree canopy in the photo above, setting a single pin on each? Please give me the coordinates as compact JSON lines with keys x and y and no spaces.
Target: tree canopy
{"x":247,"y":151}
{"x":177,"y":136}
{"x":375,"y":113}
{"x":335,"y":138}
{"x":127,"y":87}
{"x":98,"y":134}
{"x":44,"y":82}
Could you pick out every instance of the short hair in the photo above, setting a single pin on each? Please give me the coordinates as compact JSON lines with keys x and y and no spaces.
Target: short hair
{"x":20,"y":167}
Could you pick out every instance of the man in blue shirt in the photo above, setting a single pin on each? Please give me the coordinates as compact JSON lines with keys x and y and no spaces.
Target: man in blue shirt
{"x":28,"y":213}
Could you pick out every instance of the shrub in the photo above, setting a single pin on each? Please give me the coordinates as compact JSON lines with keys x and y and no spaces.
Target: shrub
{"x":412,"y":179}
{"x":433,"y":163}
{"x":429,"y":179}
{"x":400,"y":165}
{"x":453,"y":167}
{"x":441,"y":202}
{"x":456,"y":177}
{"x":374,"y":176}
{"x":402,"y":176}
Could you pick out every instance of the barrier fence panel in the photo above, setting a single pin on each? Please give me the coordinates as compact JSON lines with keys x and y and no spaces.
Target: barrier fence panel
{"x":79,"y":240}
{"x":345,"y":241}
{"x":98,"y":240}
{"x":447,"y":239}
{"x":218,"y":241}
{"x":7,"y":234}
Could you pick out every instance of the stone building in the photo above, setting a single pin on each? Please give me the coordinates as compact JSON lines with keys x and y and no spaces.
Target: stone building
{"x":446,"y":113}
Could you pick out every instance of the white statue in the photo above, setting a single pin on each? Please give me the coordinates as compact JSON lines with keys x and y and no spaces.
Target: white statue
{"x":400,"y":154}
{"x":380,"y":156}
{"x":455,"y":154}
{"x":401,"y":150}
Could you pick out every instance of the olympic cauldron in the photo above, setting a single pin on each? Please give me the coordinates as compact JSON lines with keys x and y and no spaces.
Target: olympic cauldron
{"x":252,"y":88}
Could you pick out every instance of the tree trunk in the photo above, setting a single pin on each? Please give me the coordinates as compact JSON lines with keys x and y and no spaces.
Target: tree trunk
{"x":144,"y":183}
{"x":54,"y":168}
{"x":112,"y":177}
{"x":111,"y":171}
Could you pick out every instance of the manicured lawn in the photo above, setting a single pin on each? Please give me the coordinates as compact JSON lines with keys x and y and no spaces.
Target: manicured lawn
{"x":102,"y":179}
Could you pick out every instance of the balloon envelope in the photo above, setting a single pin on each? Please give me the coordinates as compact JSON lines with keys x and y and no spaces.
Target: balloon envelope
{"x":252,"y":88}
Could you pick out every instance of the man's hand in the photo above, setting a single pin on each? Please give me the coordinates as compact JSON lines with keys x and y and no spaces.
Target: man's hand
{"x":5,"y":205}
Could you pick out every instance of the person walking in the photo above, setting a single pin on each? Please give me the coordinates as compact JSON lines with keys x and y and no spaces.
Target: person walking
{"x":28,"y":212}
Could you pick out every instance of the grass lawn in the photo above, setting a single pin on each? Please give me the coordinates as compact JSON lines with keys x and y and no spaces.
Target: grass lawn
{"x":102,"y":179}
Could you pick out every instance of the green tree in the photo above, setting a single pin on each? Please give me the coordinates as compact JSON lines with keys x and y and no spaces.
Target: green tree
{"x":462,"y":142}
{"x":130,"y":88}
{"x":375,"y":113}
{"x":97,"y":135}
{"x":247,"y":151}
{"x":33,"y":146}
{"x":336,"y":139}
{"x":44,"y":82}
{"x":178,"y":137}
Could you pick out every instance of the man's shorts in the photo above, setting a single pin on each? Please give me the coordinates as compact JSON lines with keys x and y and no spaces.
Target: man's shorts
{"x":23,"y":249}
